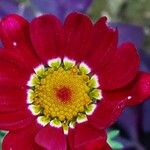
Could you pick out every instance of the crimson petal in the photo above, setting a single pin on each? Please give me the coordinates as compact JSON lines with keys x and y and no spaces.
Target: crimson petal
{"x":51,"y":138}
{"x":84,"y":135}
{"x":113,"y":102}
{"x":120,"y":71}
{"x":12,"y":99}
{"x":108,"y":110}
{"x":137,"y":91}
{"x":10,"y":82}
{"x":10,"y":71}
{"x":22,"y":139}
{"x":46,"y":37}
{"x":78,"y":31}
{"x":103,"y":45}
{"x":16,"y":120}
{"x":14,"y":33}
{"x":106,"y":147}
{"x":10,"y":56}
{"x":96,"y":144}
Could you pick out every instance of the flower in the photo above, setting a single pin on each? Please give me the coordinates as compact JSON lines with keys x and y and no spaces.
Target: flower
{"x":136,"y":116}
{"x":63,"y":85}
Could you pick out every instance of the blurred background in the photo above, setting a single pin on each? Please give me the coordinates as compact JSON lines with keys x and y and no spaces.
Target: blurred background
{"x":132,"y":18}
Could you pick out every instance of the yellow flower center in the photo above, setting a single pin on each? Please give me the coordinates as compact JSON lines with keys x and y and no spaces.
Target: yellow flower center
{"x":62,"y":93}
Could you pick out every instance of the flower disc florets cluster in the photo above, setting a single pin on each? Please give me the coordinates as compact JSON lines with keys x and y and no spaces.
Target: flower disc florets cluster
{"x":63,"y":93}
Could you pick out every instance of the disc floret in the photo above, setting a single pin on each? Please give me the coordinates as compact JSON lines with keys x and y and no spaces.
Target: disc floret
{"x":63,"y":93}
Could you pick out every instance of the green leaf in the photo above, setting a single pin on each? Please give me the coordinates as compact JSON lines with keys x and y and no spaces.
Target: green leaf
{"x":114,"y":144}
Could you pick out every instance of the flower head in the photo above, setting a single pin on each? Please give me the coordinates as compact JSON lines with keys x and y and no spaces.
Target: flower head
{"x":63,"y":84}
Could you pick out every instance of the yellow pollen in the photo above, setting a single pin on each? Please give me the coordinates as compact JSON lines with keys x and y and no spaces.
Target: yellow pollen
{"x":62,"y":93}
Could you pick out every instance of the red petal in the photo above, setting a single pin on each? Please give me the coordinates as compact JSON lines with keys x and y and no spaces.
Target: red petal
{"x":139,"y":90}
{"x":84,"y":135}
{"x":10,"y":56}
{"x":51,"y":138}
{"x":104,"y":43}
{"x":70,"y":139}
{"x":14,"y":31}
{"x":11,"y":73}
{"x":113,"y":103}
{"x":7,"y":69}
{"x":10,"y":68}
{"x":12,"y":87}
{"x":16,"y":120}
{"x":12,"y":99}
{"x":106,"y":147}
{"x":78,"y":30}
{"x":46,"y":36}
{"x":120,"y":71}
{"x":22,"y":139}
{"x":108,"y":110}
{"x":97,"y":144}
{"x":11,"y":81}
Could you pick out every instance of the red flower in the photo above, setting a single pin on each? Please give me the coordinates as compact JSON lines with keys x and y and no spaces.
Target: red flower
{"x":62,"y":85}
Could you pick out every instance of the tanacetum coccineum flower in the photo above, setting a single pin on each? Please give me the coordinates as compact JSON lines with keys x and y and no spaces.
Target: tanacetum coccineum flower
{"x":63,"y":84}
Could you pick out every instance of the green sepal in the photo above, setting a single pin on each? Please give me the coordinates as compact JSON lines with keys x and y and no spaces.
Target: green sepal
{"x":114,"y":144}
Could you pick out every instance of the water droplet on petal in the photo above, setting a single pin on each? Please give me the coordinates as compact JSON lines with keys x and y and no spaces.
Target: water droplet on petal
{"x":15,"y":44}
{"x":129,"y":97}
